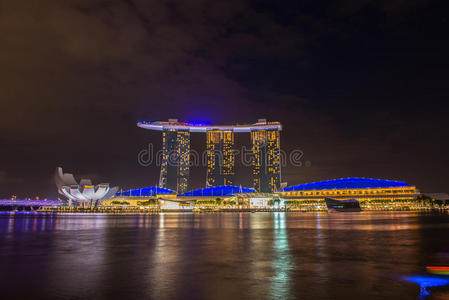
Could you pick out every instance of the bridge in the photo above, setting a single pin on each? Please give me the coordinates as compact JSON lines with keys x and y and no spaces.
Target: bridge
{"x":8,"y":204}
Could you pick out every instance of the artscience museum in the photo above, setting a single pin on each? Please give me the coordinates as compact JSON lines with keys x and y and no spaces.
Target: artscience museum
{"x":83,"y":194}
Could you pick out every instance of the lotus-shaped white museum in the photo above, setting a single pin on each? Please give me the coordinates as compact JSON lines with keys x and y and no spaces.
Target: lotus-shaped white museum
{"x":84,"y":193}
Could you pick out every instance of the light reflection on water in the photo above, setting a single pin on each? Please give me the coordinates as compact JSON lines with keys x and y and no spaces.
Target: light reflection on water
{"x":282,"y":261}
{"x":221,"y":255}
{"x":426,"y":282}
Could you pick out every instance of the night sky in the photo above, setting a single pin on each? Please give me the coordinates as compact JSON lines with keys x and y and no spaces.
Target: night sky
{"x":360,"y":86}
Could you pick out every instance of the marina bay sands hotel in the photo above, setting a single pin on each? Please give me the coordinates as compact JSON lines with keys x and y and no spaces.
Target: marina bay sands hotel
{"x":265,"y":139}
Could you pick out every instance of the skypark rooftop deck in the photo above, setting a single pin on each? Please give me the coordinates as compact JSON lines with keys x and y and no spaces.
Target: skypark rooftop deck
{"x":191,"y":127}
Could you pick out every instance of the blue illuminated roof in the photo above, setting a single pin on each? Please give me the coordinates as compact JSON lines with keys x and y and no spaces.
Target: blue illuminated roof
{"x":346,"y":183}
{"x":221,"y":190}
{"x":147,"y":191}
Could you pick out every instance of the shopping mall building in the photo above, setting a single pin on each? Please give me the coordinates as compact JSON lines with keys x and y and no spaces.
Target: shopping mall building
{"x":371,"y":193}
{"x":375,"y":194}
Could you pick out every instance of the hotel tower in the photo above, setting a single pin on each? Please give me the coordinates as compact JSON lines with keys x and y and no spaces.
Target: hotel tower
{"x":220,"y":157}
{"x":175,"y":160}
{"x":267,"y":159}
{"x":220,"y":153}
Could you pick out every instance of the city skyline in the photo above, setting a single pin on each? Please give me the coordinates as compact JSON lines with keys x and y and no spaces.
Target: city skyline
{"x":238,"y":149}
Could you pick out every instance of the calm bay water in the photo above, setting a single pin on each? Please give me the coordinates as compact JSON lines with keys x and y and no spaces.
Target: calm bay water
{"x":222,"y":256}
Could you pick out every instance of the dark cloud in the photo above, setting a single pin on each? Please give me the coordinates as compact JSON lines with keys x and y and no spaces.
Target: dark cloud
{"x":351,"y":7}
{"x":358,"y":85}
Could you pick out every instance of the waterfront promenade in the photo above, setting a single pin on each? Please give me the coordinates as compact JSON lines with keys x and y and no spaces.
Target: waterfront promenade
{"x":59,"y":207}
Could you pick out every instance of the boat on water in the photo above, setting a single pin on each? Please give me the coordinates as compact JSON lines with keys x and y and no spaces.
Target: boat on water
{"x":350,"y":205}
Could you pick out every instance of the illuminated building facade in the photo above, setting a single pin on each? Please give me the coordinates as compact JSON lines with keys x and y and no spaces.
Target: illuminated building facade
{"x":220,"y":157}
{"x":82,"y":193}
{"x":175,"y":160}
{"x":267,"y":159}
{"x":220,"y":140}
{"x":371,"y":193}
{"x":218,"y":191}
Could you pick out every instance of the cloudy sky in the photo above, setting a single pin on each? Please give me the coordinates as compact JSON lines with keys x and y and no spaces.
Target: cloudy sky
{"x":360,"y":86}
